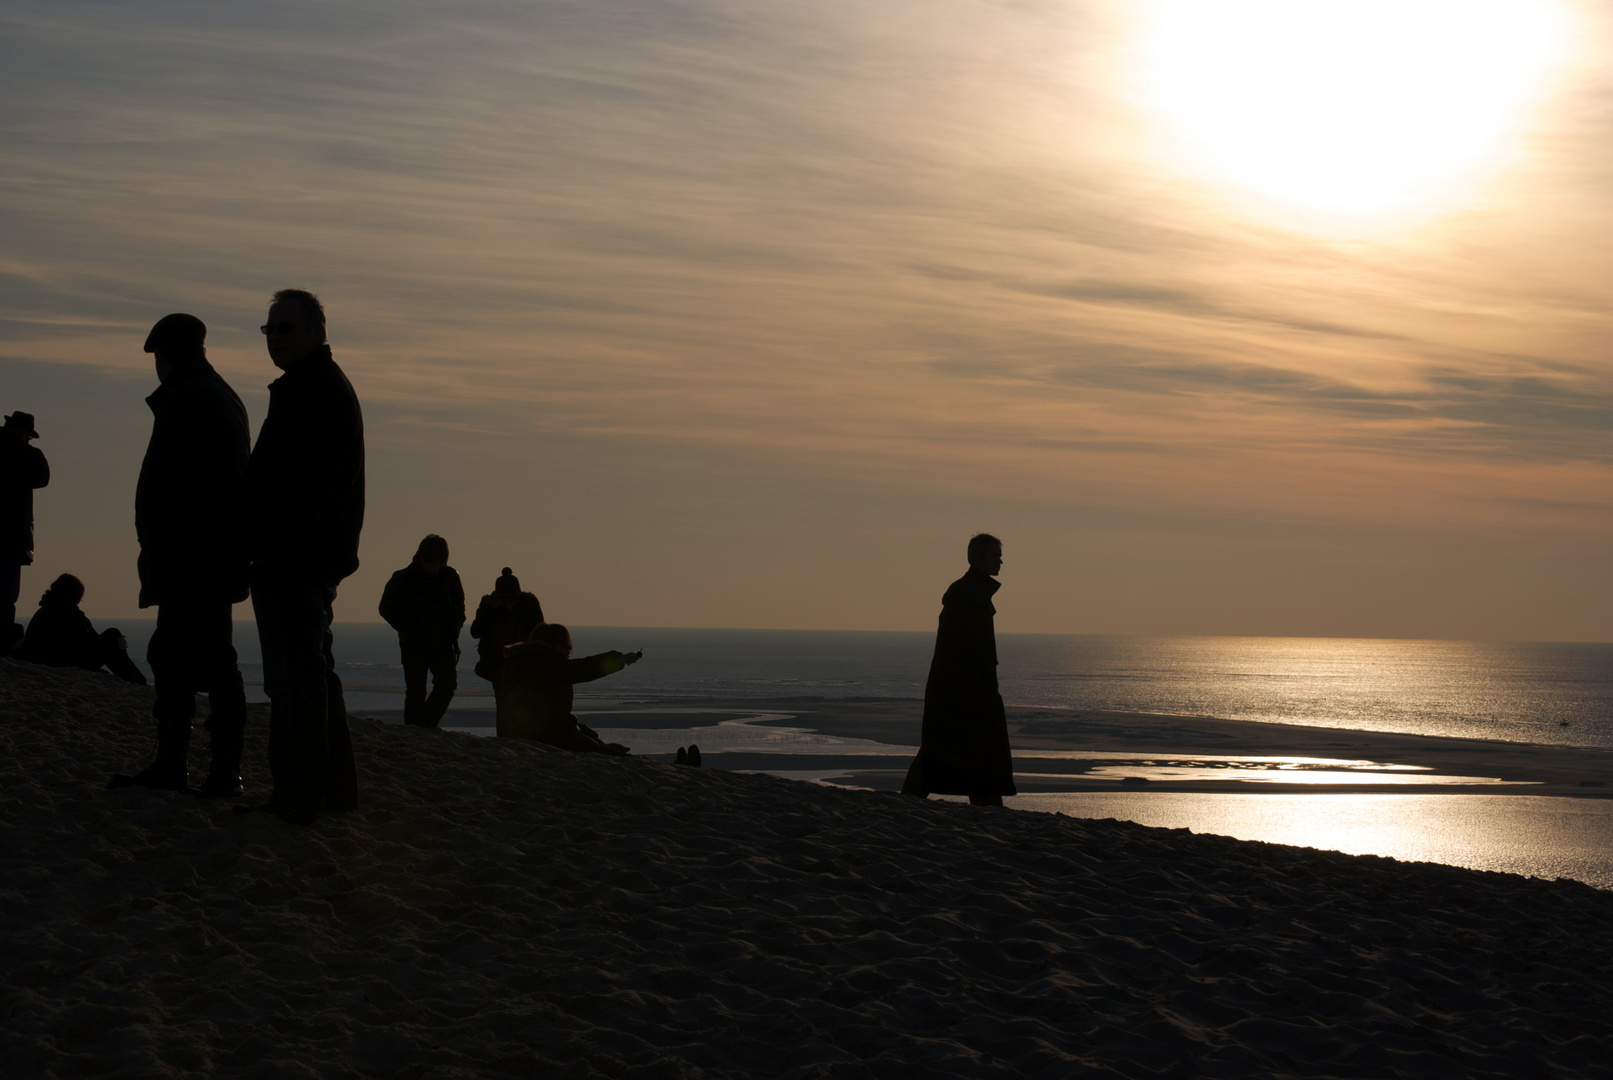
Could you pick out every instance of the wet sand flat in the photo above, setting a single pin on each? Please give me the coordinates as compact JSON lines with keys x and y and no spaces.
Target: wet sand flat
{"x":1057,"y":749}
{"x":498,"y":909}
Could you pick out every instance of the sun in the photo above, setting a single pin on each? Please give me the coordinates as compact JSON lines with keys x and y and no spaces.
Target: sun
{"x":1349,"y":106}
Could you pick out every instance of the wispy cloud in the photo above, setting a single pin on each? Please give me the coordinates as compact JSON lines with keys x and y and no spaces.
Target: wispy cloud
{"x":894,"y":243}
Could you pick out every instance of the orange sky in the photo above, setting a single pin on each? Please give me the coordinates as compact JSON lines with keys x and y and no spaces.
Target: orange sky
{"x":748,"y":315}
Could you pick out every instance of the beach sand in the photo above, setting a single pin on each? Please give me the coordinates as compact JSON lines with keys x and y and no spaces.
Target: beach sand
{"x":500,"y":909}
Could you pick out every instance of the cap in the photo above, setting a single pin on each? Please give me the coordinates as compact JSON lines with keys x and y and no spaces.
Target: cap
{"x":178,"y":333}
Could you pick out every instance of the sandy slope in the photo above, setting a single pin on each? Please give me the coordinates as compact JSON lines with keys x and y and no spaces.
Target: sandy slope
{"x":507,"y":910}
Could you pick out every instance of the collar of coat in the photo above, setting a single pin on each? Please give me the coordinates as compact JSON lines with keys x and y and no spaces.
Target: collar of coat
{"x":983,"y":580}
{"x":189,"y":369}
{"x":306,"y":367}
{"x":973,"y":588}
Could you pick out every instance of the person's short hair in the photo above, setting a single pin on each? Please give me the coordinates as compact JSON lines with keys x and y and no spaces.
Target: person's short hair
{"x":432,"y":549}
{"x":981,"y":544}
{"x":179,"y":334}
{"x":66,"y":589}
{"x":309,"y":309}
{"x":552,"y":633}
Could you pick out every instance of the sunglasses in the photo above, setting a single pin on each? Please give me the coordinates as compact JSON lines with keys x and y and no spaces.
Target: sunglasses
{"x":285,"y":326}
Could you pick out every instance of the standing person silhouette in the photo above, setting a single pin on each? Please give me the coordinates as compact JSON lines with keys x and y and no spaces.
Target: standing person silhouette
{"x":504,"y":617}
{"x":22,"y":469}
{"x":304,"y":511}
{"x":425,"y":603}
{"x":963,"y":749}
{"x":193,"y":564}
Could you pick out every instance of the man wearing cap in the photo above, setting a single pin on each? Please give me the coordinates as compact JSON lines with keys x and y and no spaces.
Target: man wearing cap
{"x":22,"y":469}
{"x":193,"y":567}
{"x":305,"y":508}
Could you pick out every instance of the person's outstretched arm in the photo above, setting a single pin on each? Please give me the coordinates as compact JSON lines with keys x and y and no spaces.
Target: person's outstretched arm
{"x":589,"y":668}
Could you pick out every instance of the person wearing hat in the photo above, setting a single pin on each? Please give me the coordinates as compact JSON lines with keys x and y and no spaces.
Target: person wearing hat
{"x":505,"y":616}
{"x":193,"y":565}
{"x":22,"y":469}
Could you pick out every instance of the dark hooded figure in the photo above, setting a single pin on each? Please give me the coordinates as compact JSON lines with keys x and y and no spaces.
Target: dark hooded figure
{"x":537,"y":695}
{"x":506,"y":616}
{"x":60,"y":635}
{"x":964,"y":746}
{"x":22,"y":469}
{"x":425,"y":603}
{"x":187,"y":514}
{"x":304,"y":511}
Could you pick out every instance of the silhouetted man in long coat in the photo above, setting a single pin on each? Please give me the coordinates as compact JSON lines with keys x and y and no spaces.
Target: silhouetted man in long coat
{"x":963,"y":749}
{"x":425,"y":603}
{"x":193,"y":565}
{"x":22,"y":469}
{"x":305,"y":508}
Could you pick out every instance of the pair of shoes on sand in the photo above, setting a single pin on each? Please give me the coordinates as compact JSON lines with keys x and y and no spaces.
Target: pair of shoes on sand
{"x":214,"y":787}
{"x":690,"y":757}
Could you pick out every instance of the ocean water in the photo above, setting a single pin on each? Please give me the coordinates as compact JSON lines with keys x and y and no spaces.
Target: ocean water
{"x":1521,"y":692}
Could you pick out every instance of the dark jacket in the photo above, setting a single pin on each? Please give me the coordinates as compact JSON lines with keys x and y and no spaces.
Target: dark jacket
{"x":502,"y":621}
{"x":424,"y":607}
{"x":305,"y":479}
{"x":61,"y":635}
{"x":187,"y":506}
{"x":535,"y":695}
{"x":964,"y":746}
{"x":22,"y":468}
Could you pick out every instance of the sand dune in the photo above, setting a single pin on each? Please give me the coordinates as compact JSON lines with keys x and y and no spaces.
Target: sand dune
{"x":496,"y":909}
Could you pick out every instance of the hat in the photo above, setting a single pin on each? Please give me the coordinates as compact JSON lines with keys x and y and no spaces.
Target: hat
{"x":507,"y":582}
{"x":23,"y":420}
{"x":178,"y":333}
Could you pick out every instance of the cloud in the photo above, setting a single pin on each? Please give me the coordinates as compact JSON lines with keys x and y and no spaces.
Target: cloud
{"x":930,"y":246}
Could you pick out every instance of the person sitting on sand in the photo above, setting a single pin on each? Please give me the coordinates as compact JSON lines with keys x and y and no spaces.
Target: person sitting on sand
{"x":60,"y":635}
{"x":506,"y":616}
{"x":425,"y":603}
{"x":963,"y":748}
{"x":536,"y":698}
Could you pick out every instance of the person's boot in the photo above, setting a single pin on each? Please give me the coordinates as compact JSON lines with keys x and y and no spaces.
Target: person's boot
{"x":224,"y":775}
{"x":168,"y":772}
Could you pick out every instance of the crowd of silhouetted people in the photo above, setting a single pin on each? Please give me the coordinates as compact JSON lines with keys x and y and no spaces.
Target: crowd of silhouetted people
{"x":220,"y":519}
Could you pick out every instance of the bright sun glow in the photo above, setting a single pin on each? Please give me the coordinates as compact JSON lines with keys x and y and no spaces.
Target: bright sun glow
{"x":1352,"y":106}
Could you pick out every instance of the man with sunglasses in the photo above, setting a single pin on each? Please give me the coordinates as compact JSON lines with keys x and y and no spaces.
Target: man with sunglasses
{"x":305,"y":508}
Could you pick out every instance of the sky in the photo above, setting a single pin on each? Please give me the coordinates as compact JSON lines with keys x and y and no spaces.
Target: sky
{"x":1226,"y":319}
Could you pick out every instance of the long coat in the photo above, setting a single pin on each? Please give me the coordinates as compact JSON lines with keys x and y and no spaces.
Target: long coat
{"x":535,"y":698}
{"x":963,"y":749}
{"x":22,"y":468}
{"x":187,"y":505}
{"x":305,"y":480}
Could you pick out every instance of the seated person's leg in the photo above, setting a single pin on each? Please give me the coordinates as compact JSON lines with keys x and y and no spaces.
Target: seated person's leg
{"x":114,"y":653}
